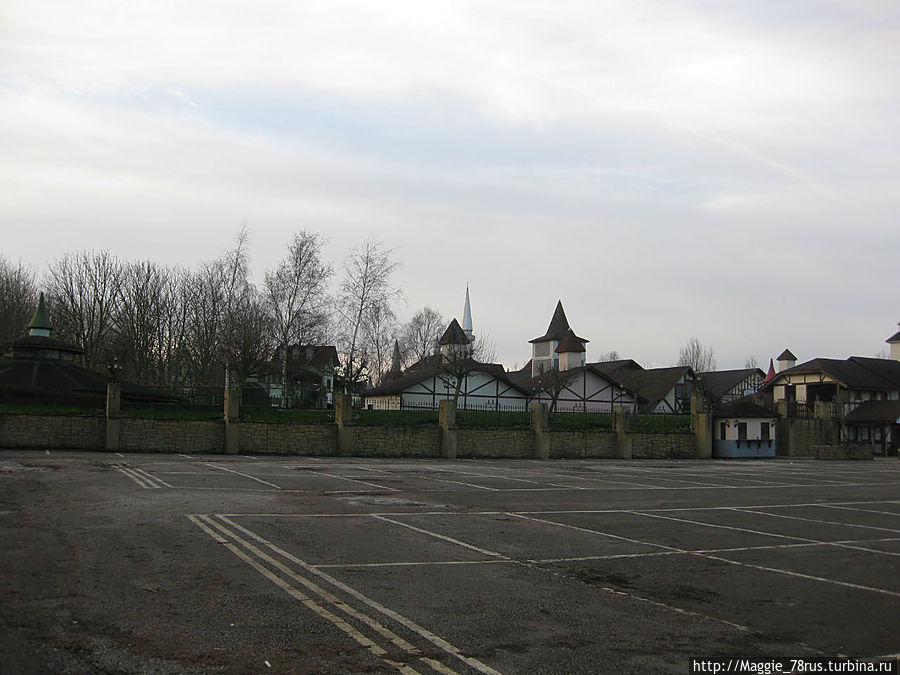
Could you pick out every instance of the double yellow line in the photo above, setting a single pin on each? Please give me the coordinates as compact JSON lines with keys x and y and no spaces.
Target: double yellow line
{"x":372,"y":634}
{"x":142,"y":478}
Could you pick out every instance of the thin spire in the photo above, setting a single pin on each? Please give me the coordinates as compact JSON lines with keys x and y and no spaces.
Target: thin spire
{"x":467,"y":316}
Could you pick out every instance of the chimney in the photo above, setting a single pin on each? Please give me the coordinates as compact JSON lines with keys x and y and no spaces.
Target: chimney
{"x":786,"y":360}
{"x":894,"y":342}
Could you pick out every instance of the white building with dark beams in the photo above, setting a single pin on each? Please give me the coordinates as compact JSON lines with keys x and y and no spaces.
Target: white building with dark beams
{"x":544,"y":354}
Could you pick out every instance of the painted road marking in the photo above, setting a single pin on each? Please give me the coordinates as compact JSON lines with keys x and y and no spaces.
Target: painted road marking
{"x":206,"y":524}
{"x":404,"y":621}
{"x":144,"y":483}
{"x":245,"y":475}
{"x":436,"y":640}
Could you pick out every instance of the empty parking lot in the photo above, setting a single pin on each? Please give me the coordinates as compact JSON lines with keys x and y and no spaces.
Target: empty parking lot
{"x":158,"y":563}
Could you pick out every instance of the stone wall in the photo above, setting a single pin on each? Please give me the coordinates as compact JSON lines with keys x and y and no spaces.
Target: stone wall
{"x":260,"y":438}
{"x":187,"y":436}
{"x":799,"y":437}
{"x":52,"y":432}
{"x":842,"y":452}
{"x":583,"y":444}
{"x":376,"y":441}
{"x":663,"y":446}
{"x":208,"y":436}
{"x":499,"y":443}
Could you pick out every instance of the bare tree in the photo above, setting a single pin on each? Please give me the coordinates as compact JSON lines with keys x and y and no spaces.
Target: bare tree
{"x":379,"y":335}
{"x":698,"y":357}
{"x":751,"y":362}
{"x":553,"y":383}
{"x":611,"y":355}
{"x":245,"y":333}
{"x":203,"y":301}
{"x":18,"y":298}
{"x":460,"y":361}
{"x":148,"y":327}
{"x":85,"y":294}
{"x":419,"y":336}
{"x":366,"y":285}
{"x":296,"y":294}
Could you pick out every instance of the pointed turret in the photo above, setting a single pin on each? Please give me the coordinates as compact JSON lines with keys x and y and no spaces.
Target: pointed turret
{"x":396,"y":369}
{"x":544,"y":357}
{"x":454,"y":342}
{"x":467,"y":317}
{"x":40,"y":322}
{"x":771,"y":374}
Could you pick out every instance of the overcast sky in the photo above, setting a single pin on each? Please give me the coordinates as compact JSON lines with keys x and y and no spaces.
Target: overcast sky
{"x":667,"y":168}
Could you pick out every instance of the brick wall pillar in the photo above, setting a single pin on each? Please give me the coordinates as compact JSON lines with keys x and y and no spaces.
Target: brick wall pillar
{"x":113,"y":412}
{"x":623,"y":439}
{"x":541,"y":432}
{"x":232,"y":421}
{"x":343,"y":418}
{"x":447,"y":420}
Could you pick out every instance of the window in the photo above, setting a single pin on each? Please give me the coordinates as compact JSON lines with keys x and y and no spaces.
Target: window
{"x":723,"y":431}
{"x":764,"y":431}
{"x":542,"y":349}
{"x":742,"y":431}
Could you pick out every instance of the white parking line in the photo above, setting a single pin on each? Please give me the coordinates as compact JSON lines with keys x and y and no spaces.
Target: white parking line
{"x":245,"y":475}
{"x":404,"y":621}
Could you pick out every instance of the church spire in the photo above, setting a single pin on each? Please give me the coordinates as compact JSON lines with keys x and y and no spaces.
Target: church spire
{"x":467,"y":316}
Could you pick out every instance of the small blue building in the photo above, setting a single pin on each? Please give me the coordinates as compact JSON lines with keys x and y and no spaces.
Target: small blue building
{"x":744,"y":429}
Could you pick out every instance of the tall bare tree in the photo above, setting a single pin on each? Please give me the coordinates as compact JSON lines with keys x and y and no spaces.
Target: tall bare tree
{"x":18,"y":298}
{"x":202,"y":297}
{"x":366,"y":286}
{"x":419,"y":336}
{"x":296,"y":294}
{"x":85,"y":293}
{"x":148,"y":326}
{"x":701,"y":359}
{"x":379,"y":335}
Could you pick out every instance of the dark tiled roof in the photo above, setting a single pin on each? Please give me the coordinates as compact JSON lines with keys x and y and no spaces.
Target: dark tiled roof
{"x":613,"y":366}
{"x":570,"y":343}
{"x":887,"y":412}
{"x":720,"y":382}
{"x":57,"y":377}
{"x":558,"y":327}
{"x":745,"y":407}
{"x":787,"y":356}
{"x":519,"y":376}
{"x":412,"y":377}
{"x":652,"y":384}
{"x":894,"y":338}
{"x":854,"y":373}
{"x":454,"y":335}
{"x":40,"y":342}
{"x":889,"y":369}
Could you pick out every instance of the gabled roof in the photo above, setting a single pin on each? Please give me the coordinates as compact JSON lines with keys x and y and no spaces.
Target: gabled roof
{"x":413,"y":377}
{"x":653,"y":384}
{"x":787,"y":356}
{"x":887,"y":412}
{"x":720,"y":382}
{"x":454,"y":335}
{"x":570,"y":343}
{"x":544,"y":379}
{"x":857,"y":372}
{"x":745,"y":407}
{"x":519,"y":376}
{"x":894,"y":338}
{"x":613,"y":366}
{"x":559,"y":326}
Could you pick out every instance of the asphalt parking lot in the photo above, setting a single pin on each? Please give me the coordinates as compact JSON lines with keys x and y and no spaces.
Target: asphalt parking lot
{"x":177,"y":564}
